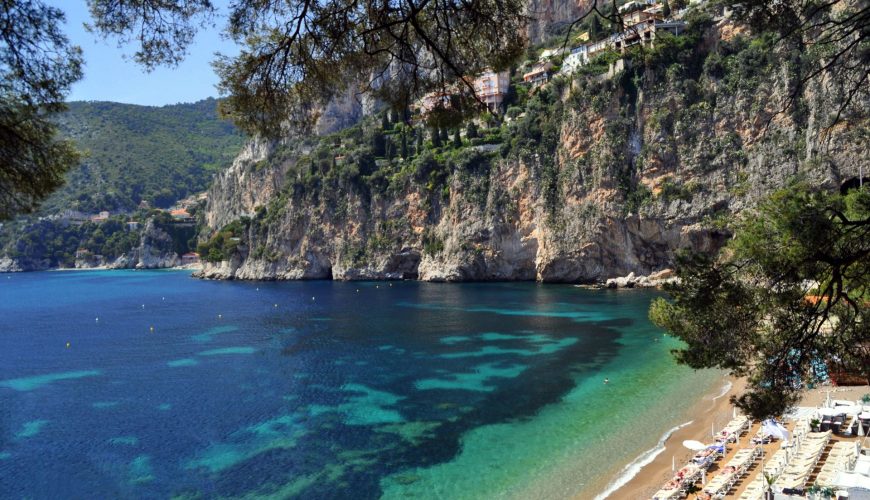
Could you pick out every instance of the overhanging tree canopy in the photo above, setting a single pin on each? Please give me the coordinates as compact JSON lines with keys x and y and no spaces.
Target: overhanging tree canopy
{"x":299,"y":53}
{"x":786,"y":302}
{"x":37,"y":67}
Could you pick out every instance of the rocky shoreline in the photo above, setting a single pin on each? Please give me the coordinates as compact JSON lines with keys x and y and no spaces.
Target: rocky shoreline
{"x":153,"y":252}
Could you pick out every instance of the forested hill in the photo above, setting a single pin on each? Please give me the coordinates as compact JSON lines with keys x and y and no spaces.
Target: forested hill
{"x":134,"y":153}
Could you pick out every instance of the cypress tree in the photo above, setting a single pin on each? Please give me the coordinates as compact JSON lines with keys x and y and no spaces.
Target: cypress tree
{"x":436,"y":137}
{"x":666,"y":9}
{"x":471,"y":130}
{"x":615,"y":20}
{"x":457,"y":141}
{"x":595,"y":29}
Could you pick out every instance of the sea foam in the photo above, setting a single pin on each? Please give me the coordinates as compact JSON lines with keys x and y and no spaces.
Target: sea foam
{"x":725,"y":389}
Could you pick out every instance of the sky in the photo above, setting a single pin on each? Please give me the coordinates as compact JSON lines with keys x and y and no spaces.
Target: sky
{"x":111,"y":77}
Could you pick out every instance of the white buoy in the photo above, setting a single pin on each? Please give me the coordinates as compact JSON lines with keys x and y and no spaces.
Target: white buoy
{"x":67,"y":345}
{"x":312,"y":298}
{"x":276,"y":305}
{"x":152,"y":328}
{"x":143,"y":306}
{"x":97,"y":320}
{"x":220,"y":316}
{"x":164,"y":298}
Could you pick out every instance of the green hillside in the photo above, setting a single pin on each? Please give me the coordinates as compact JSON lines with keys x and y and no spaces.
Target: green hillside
{"x":134,"y":153}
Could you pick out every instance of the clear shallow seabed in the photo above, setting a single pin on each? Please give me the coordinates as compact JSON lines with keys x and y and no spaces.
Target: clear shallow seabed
{"x":326,"y":389}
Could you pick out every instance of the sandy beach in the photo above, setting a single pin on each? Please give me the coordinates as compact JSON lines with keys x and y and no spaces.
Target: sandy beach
{"x":707,"y":411}
{"x":716,"y":412}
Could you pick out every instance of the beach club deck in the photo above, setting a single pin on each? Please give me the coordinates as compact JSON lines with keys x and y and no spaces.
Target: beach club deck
{"x":815,"y":450}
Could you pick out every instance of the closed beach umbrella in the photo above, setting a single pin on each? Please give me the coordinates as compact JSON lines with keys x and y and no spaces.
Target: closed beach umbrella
{"x":694,"y":445}
{"x":860,"y":428}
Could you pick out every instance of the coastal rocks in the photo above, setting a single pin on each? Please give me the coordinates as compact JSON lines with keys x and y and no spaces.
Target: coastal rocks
{"x":10,"y":265}
{"x":17,"y":265}
{"x":654,"y":280}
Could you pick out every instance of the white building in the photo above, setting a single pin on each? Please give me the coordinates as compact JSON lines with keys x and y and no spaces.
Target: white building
{"x":578,"y":57}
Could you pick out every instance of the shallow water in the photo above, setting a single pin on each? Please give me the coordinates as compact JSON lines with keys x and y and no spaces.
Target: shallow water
{"x":174,"y":386}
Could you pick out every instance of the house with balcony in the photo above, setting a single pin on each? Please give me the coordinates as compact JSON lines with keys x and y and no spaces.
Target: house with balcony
{"x":539,"y":74}
{"x":492,"y":88}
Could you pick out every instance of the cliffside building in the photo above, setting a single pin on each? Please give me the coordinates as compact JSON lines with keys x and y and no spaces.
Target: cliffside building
{"x":492,"y":88}
{"x":539,"y":74}
{"x":643,"y":23}
{"x":190,"y":258}
{"x":100,"y":217}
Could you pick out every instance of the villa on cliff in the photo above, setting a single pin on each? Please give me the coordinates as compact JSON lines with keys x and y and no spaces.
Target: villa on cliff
{"x":490,"y":87}
{"x":643,"y":23}
{"x":539,"y":74}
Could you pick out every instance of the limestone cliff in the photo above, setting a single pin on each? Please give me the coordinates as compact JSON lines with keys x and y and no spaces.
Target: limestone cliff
{"x":593,"y":178}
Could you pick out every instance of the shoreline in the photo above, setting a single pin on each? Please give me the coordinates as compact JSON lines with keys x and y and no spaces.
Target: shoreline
{"x":188,"y":267}
{"x":644,"y":475}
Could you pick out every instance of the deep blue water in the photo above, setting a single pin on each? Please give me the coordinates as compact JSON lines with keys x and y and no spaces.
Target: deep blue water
{"x":152,"y":384}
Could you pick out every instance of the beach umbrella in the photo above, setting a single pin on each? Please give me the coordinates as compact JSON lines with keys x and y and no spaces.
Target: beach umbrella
{"x":860,"y":428}
{"x":775,"y":429}
{"x":828,"y":400}
{"x":694,"y":445}
{"x":673,"y":463}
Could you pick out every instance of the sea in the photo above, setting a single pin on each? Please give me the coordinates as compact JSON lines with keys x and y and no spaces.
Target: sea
{"x":154,"y":384}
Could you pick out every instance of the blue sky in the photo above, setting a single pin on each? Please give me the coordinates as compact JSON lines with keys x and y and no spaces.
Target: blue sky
{"x":111,"y":77}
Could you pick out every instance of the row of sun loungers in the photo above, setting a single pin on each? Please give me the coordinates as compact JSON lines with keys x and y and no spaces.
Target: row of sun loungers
{"x":733,"y":430}
{"x":794,"y":476}
{"x":731,"y":472}
{"x":773,"y":466}
{"x":675,"y":488}
{"x":842,"y":457}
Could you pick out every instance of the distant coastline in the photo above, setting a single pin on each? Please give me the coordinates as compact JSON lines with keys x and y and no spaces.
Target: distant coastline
{"x":186,"y":267}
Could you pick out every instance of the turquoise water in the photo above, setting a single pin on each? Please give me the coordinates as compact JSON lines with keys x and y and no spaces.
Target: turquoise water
{"x":151,"y":384}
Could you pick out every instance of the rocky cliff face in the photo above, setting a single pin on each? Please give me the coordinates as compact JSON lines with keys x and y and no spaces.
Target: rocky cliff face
{"x":549,"y":14}
{"x":596,"y":178}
